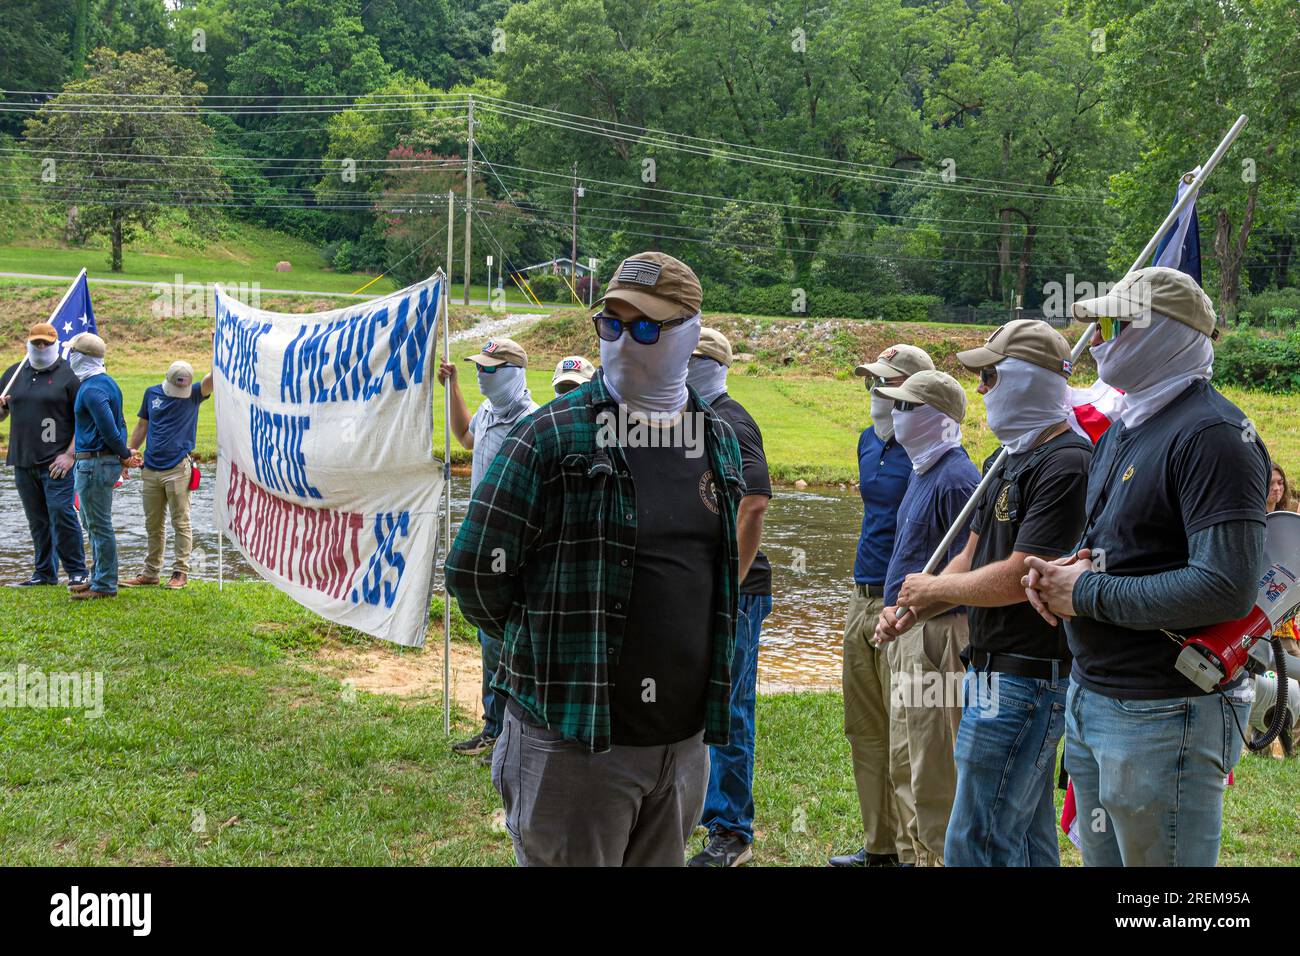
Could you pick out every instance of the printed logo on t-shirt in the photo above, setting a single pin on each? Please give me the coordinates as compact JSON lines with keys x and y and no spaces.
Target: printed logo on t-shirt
{"x":1002,"y":507}
{"x":709,"y":491}
{"x":156,"y":403}
{"x":1128,"y":474}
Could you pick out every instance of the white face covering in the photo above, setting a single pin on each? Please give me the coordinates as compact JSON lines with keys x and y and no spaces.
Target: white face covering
{"x":651,"y":379}
{"x":1153,"y":364}
{"x":882,"y":416}
{"x":84,"y":366}
{"x":42,"y":358}
{"x":505,"y":388}
{"x":1025,"y":401}
{"x":926,"y":434}
{"x":706,"y":376}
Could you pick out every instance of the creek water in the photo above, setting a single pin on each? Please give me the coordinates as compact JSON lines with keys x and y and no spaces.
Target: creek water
{"x":810,"y":537}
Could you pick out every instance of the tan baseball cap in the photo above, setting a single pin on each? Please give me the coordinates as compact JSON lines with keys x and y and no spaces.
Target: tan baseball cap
{"x":928,"y":387}
{"x":42,"y":332}
{"x":714,"y":345}
{"x":897,"y":360}
{"x":657,"y":285}
{"x":500,"y":352}
{"x":179,"y":380}
{"x":1032,"y":340}
{"x":572,"y":370}
{"x":1156,"y":289}
{"x":88,"y":343}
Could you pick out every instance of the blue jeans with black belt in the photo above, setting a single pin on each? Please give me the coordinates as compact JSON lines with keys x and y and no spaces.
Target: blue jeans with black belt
{"x":1149,"y":775}
{"x":729,"y":800}
{"x":1003,"y":813}
{"x":95,"y":480}
{"x":52,"y":519}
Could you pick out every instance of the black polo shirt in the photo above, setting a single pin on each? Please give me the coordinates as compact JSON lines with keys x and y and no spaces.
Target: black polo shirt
{"x":753,"y":466}
{"x":41,"y":422}
{"x":1036,"y":506}
{"x":1196,"y":464}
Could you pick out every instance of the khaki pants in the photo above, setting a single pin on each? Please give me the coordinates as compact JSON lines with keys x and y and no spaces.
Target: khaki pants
{"x":925,"y":709}
{"x":866,"y":725}
{"x":167,"y":491}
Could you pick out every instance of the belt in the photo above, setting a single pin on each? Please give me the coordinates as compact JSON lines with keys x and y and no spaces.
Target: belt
{"x":84,"y":455}
{"x":870,"y":590}
{"x":1037,"y":668}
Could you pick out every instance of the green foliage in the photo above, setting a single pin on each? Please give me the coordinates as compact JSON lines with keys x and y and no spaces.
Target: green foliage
{"x":1277,"y":308}
{"x":1250,"y":359}
{"x":823,"y":303}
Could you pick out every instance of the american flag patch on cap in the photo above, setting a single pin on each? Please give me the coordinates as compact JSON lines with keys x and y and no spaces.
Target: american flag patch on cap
{"x":640,"y":271}
{"x":569,"y":365}
{"x":490,"y":347}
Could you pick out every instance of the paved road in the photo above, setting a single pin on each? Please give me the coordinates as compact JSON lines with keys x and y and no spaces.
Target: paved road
{"x":455,"y":299}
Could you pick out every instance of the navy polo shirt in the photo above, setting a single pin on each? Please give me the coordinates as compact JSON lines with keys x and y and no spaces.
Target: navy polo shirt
{"x":173,"y":423}
{"x":883,"y":471}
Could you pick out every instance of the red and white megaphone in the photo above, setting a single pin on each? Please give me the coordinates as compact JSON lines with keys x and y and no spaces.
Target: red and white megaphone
{"x":1215,"y":655}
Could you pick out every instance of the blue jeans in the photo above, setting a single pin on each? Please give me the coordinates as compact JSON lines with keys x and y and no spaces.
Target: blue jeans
{"x":729,"y":800}
{"x":1003,"y":813}
{"x":56,"y":533}
{"x":95,"y":479}
{"x":1149,"y":776}
{"x":494,"y":703}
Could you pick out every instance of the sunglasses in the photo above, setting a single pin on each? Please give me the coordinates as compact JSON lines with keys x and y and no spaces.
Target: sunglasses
{"x":1110,"y":328}
{"x":643,"y":330}
{"x":492,"y":369}
{"x":988,"y":376}
{"x":903,"y":406}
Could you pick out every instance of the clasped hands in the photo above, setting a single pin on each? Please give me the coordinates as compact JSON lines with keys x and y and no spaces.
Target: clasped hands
{"x":1049,"y":587}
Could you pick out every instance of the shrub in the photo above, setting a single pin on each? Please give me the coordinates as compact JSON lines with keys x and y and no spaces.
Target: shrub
{"x":1254,"y":360}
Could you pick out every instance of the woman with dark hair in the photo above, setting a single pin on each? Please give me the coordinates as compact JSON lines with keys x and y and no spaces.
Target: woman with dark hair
{"x":1279,"y":491}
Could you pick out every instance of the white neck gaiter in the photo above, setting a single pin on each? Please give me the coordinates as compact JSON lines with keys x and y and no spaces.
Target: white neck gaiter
{"x":1026,"y":400}
{"x":926,"y":434}
{"x":707,"y":376}
{"x":651,"y":379}
{"x":882,"y":416}
{"x":84,"y":366}
{"x":506,"y":389}
{"x":1153,"y":364}
{"x":42,"y":358}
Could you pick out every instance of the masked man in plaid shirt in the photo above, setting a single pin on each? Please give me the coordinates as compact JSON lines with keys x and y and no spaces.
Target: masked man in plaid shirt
{"x":601,"y":548}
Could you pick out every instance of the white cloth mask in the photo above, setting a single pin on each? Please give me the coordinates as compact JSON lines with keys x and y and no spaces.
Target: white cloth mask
{"x":1025,"y":401}
{"x":1153,"y":364}
{"x":882,"y":416}
{"x":926,"y":434}
{"x":84,"y":366}
{"x":42,"y":358}
{"x":504,"y":389}
{"x":651,"y":379}
{"x":707,"y":376}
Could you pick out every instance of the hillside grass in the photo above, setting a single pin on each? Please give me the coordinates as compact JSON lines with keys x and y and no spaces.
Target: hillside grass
{"x":215,"y":714}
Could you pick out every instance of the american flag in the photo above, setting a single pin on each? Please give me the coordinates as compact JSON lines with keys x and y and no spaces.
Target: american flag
{"x":640,"y":271}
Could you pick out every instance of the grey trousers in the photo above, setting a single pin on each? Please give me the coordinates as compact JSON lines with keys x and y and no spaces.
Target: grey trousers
{"x":565,"y":806}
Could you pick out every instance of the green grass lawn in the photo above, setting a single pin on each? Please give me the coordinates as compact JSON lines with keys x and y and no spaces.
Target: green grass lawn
{"x":213,"y":712}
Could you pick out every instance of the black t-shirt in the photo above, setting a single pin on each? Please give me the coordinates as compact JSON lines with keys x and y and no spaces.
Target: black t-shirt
{"x":1035,"y":507}
{"x":662,"y":674}
{"x":753,"y":465}
{"x":41,"y":423}
{"x":1196,"y":464}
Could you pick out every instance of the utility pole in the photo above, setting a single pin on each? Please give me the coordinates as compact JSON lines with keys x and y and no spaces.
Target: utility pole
{"x":469,"y":196}
{"x":451,"y":236}
{"x":573,"y":243}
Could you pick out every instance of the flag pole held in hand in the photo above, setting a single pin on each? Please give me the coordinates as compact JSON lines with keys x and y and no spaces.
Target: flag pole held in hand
{"x":1188,"y":196}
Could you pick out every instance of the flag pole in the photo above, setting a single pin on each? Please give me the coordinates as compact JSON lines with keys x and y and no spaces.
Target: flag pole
{"x":22,"y":362}
{"x":446,"y":475}
{"x":1188,"y":196}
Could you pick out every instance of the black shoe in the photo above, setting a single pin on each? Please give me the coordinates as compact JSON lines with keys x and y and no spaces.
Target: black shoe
{"x":474,"y":746}
{"x":34,"y":582}
{"x":486,"y":759}
{"x":75,"y":579}
{"x":863,"y":858}
{"x":723,"y":848}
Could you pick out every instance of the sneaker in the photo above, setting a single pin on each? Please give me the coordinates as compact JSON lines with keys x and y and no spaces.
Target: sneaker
{"x":89,"y":595}
{"x":178,"y":580}
{"x":863,"y":858}
{"x":79,"y":585}
{"x":474,"y":746}
{"x":78,"y":580}
{"x":723,"y":848}
{"x":486,"y":759}
{"x":34,"y":582}
{"x":139,"y":581}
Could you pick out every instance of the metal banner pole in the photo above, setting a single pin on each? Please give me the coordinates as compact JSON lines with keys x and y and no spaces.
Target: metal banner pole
{"x":446,"y":473}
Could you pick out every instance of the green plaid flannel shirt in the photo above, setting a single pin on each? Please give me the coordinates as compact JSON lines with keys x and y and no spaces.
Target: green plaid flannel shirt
{"x":544,"y":561}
